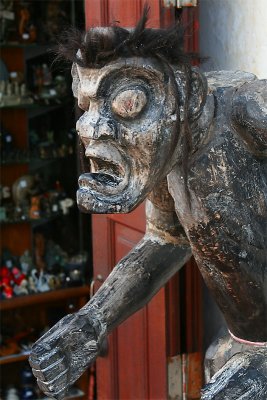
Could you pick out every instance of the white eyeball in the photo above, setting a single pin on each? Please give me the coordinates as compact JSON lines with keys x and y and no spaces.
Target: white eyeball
{"x":129,"y":103}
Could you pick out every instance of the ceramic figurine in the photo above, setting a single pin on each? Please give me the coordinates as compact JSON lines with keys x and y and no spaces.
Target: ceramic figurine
{"x":22,"y":288}
{"x":65,"y":205}
{"x":34,"y":212}
{"x":26,"y":262}
{"x":12,"y":394}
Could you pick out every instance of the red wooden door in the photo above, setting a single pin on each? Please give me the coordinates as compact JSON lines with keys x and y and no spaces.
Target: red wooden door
{"x":135,"y":366}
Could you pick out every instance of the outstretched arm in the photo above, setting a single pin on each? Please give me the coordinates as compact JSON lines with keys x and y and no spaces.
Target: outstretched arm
{"x":62,"y":354}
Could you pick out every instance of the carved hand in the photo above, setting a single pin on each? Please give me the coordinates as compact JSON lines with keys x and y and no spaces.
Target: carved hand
{"x":62,"y":354}
{"x":244,"y":377}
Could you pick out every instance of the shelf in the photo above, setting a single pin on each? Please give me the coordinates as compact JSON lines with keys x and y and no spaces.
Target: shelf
{"x":14,"y":358}
{"x":35,"y":222}
{"x":55,"y":103}
{"x":31,"y":50}
{"x":24,"y":45}
{"x":36,"y":163}
{"x":46,"y":297}
{"x":16,"y":161}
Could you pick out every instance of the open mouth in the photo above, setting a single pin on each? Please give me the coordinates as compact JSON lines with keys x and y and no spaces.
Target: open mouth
{"x":108,"y":171}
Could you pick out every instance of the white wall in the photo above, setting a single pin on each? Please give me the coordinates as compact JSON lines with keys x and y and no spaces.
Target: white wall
{"x":233,"y":33}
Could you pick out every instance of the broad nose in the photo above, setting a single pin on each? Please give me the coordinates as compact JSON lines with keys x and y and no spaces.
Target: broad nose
{"x":91,"y":126}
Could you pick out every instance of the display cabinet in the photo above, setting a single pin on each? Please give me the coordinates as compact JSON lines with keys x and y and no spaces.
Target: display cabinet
{"x":45,"y":241}
{"x":30,"y":315}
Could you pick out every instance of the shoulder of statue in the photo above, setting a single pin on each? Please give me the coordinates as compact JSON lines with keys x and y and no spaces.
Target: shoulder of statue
{"x":249,"y":114}
{"x":248,"y":110}
{"x":228,"y":79}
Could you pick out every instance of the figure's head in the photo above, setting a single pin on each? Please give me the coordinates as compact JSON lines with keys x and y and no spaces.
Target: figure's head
{"x":136,"y":88}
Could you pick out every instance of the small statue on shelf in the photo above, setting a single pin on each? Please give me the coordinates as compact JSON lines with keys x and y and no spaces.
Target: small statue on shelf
{"x":21,"y":289}
{"x":34,"y":212}
{"x":14,"y":92}
{"x":5,"y":201}
{"x":12,"y":394}
{"x":26,"y":262}
{"x":13,"y":281}
{"x":34,"y":200}
{"x":26,"y":28}
{"x":22,"y":190}
{"x":6,"y":287}
{"x":195,"y":146}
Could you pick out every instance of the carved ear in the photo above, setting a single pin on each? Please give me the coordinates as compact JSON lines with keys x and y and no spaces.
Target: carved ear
{"x":197,"y":95}
{"x":75,"y":80}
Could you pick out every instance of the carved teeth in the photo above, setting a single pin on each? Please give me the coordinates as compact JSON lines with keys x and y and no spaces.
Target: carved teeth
{"x":101,"y":167}
{"x":108,"y":169}
{"x":96,"y":179}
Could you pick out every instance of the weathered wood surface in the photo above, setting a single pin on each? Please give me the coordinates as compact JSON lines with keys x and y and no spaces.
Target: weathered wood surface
{"x":196,"y":147}
{"x":223,"y":208}
{"x":243,"y":377}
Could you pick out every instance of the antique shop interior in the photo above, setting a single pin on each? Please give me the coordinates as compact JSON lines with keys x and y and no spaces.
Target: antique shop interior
{"x":45,"y":248}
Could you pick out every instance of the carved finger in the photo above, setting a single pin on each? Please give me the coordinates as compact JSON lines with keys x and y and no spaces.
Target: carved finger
{"x":50,"y":372}
{"x":56,"y":386}
{"x":42,"y":357}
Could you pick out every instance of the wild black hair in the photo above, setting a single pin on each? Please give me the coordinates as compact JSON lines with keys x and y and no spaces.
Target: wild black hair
{"x":98,"y":46}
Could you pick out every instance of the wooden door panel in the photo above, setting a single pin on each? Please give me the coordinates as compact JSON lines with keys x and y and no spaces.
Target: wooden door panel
{"x":140,"y":347}
{"x":142,"y":353}
{"x":135,"y":219}
{"x":127,"y":12}
{"x":134,"y":367}
{"x":125,"y":239}
{"x":132,"y":357}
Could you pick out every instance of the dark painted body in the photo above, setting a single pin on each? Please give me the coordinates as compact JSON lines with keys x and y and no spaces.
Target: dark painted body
{"x":228,"y":226}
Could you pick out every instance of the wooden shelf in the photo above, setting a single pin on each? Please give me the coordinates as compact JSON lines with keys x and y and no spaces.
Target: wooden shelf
{"x":47,"y":297}
{"x":35,"y":222}
{"x":36,"y":162}
{"x":41,"y":47}
{"x":80,"y":394}
{"x":52,"y":104}
{"x":14,"y":358}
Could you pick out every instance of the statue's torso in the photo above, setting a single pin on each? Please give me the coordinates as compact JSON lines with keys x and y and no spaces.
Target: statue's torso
{"x":227,"y":221}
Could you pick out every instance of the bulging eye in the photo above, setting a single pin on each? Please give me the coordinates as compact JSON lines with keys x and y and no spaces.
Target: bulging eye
{"x":129,"y":103}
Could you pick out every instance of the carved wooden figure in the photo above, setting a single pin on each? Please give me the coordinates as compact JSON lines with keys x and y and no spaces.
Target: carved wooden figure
{"x":195,"y":146}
